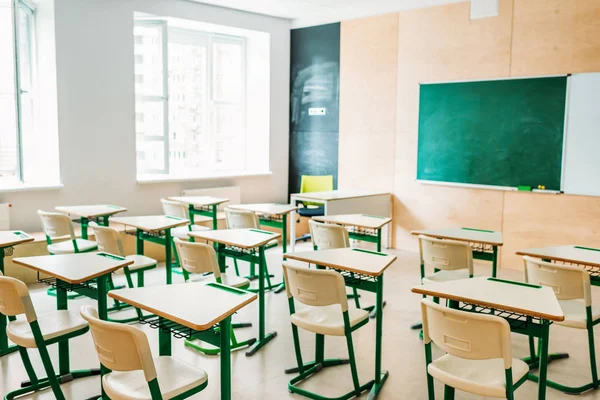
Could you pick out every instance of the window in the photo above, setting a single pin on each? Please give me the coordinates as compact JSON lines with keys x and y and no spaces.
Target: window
{"x":190,"y":91}
{"x":25,"y":157}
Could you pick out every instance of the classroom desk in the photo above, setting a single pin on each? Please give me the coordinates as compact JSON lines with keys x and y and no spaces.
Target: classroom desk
{"x":484,"y":243}
{"x":363,"y":270}
{"x":360,"y":226}
{"x":148,"y":228}
{"x":192,"y":311}
{"x":529,"y":309}
{"x":274,"y":215}
{"x":201,"y":205}
{"x":241,"y":244}
{"x":338,"y":202}
{"x":84,"y":273}
{"x":8,"y":239}
{"x":100,"y":213}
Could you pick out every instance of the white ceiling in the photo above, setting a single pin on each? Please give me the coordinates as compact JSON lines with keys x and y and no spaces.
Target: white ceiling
{"x":314,"y":12}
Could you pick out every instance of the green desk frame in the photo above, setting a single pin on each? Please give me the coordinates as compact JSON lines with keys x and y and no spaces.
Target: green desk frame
{"x":250,"y":256}
{"x":209,"y":211}
{"x":165,"y":240}
{"x":84,"y":222}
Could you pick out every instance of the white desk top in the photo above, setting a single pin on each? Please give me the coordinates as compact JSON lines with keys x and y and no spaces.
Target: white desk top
{"x":354,"y":260}
{"x":151,"y":223}
{"x":244,"y":238}
{"x":199,"y":201}
{"x":571,"y":254}
{"x":337,"y":194}
{"x":91,"y":211}
{"x":196,"y":305}
{"x":74,"y":268}
{"x":358,"y":220}
{"x":464,"y":234}
{"x":538,"y":302}
{"x":266,"y":208}
{"x":11,"y":238}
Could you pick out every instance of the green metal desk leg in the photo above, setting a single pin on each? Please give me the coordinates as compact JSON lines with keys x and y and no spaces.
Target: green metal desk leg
{"x":103,"y":315}
{"x":83,"y":221}
{"x":191,"y":210}
{"x":380,"y":376}
{"x":4,"y":347}
{"x":164,"y":338}
{"x":168,"y":247}
{"x":139,"y":242}
{"x":263,"y":338}
{"x":543,"y":369}
{"x":284,"y":235}
{"x":495,"y":261}
{"x":225,"y":330}
{"x":63,"y":346}
{"x":373,"y":313}
{"x":215,"y":222}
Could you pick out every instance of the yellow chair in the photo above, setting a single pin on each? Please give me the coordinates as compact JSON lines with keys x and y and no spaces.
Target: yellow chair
{"x":309,"y":184}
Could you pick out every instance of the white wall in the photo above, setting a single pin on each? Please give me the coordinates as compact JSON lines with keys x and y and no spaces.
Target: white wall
{"x":96,"y":118}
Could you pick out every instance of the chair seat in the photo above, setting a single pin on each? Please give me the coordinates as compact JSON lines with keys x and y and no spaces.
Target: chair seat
{"x":327,"y":320}
{"x":446,"y":275}
{"x":174,"y":378}
{"x":66,"y":247}
{"x":482,"y":377}
{"x":311,"y":211}
{"x":182,"y":232}
{"x":140,"y":262}
{"x":52,"y":325}
{"x":226,"y":278}
{"x":575,"y":316}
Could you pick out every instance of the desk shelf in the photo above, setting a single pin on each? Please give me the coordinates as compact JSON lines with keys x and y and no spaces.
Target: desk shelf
{"x":66,"y":286}
{"x":517,"y":321}
{"x":178,"y":331}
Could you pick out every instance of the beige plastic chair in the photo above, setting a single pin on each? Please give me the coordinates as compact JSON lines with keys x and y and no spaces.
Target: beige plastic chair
{"x":36,"y":332}
{"x":179,"y":210}
{"x":574,"y":293}
{"x":201,"y":260}
{"x":109,"y":241}
{"x":328,"y":236}
{"x":479,"y":355}
{"x":124,"y":349}
{"x":60,"y":226}
{"x":323,"y":292}
{"x":449,"y":259}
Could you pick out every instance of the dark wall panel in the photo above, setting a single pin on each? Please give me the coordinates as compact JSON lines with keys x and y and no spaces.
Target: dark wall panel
{"x":315,"y":82}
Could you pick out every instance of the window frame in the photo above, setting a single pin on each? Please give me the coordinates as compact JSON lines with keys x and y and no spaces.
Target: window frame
{"x":211,"y":38}
{"x":18,"y":7}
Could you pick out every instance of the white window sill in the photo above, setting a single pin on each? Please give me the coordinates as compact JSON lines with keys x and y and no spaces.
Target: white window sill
{"x":159,"y":178}
{"x":25,"y":187}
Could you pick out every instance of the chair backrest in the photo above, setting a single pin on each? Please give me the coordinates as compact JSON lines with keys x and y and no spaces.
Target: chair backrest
{"x":241,"y":219}
{"x":174,"y":209}
{"x":197,"y":258}
{"x":315,"y":287}
{"x":108,"y":239}
{"x":568,"y":283}
{"x":445,"y":254}
{"x":315,"y":183}
{"x":120,"y":347}
{"x":56,"y":225}
{"x":466,"y":334}
{"x":328,"y":236}
{"x":15,"y":299}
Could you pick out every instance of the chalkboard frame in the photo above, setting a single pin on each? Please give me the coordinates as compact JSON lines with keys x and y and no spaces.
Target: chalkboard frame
{"x":563,"y":165}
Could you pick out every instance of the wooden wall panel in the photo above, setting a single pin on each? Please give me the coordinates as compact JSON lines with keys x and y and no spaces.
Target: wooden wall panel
{"x":442,"y":44}
{"x":536,"y":220}
{"x":368,"y":72}
{"x":556,"y":37}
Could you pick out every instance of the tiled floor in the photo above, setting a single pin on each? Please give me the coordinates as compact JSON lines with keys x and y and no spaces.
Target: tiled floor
{"x":262,"y":377}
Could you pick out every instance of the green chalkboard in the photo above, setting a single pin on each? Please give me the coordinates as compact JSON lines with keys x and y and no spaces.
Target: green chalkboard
{"x":500,"y":133}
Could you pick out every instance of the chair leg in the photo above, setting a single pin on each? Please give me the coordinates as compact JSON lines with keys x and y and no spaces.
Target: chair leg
{"x":297,"y":349}
{"x":319,"y":348}
{"x":33,"y":380}
{"x":590,"y":332}
{"x":430,"y":386}
{"x":269,"y":286}
{"x":111,"y":286}
{"x":352,"y":362}
{"x":235,"y":265}
{"x":510,"y":395}
{"x":356,"y":297}
{"x":448,"y":392}
{"x":155,"y":389}
{"x":140,"y":279}
{"x":41,"y":345}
